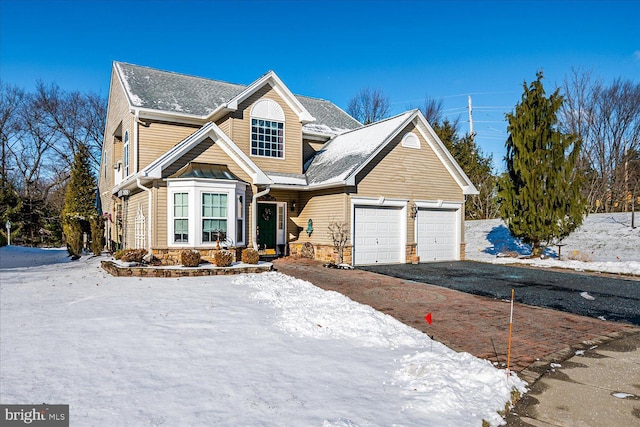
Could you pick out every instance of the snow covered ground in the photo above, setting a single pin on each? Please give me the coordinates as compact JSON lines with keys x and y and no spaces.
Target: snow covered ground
{"x":604,"y":243}
{"x":261,"y":349}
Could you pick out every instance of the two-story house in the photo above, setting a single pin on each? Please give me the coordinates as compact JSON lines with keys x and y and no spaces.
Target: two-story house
{"x":189,"y":162}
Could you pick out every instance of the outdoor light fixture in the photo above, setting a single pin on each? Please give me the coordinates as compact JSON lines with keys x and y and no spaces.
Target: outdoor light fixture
{"x":413,"y":210}
{"x":293,"y":206}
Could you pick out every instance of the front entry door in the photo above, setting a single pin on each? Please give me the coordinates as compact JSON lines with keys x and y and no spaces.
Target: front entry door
{"x":267,"y":220}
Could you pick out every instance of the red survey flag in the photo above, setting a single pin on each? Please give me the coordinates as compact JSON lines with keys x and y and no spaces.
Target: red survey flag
{"x":428,"y":318}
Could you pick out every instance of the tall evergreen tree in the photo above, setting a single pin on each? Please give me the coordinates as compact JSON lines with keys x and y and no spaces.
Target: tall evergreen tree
{"x":79,"y":204}
{"x":539,"y":195}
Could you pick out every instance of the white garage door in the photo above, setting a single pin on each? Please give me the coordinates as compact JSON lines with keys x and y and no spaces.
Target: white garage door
{"x":376,"y":235}
{"x":436,"y":235}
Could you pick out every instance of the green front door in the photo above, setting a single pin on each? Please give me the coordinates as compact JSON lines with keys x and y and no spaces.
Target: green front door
{"x":267,"y":220}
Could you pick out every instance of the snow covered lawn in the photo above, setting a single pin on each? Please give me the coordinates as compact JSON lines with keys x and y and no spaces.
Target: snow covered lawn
{"x":261,"y":349}
{"x":604,"y":243}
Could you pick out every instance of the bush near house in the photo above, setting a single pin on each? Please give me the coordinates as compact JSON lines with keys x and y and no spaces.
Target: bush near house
{"x":190,"y":258}
{"x":223,"y":258}
{"x":250,"y":256}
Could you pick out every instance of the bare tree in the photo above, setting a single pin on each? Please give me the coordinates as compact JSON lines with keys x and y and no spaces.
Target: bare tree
{"x":41,"y":132}
{"x":369,"y":106}
{"x":607,"y":119}
{"x":339,"y":233}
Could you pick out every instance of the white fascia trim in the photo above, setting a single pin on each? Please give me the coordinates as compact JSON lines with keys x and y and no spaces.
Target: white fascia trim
{"x":316,"y":136}
{"x":281,"y":89}
{"x":438,"y":204}
{"x":379,"y":201}
{"x":449,"y":163}
{"x":310,"y":187}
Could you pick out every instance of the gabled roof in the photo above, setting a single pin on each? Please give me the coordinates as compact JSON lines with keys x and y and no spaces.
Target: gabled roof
{"x":200,"y":99}
{"x":340,"y":159}
{"x":341,"y":156}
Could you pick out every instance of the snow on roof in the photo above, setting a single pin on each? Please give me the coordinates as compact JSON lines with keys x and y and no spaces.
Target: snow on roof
{"x":287,"y":178}
{"x":342,"y":155}
{"x":180,"y":93}
{"x":173,"y":92}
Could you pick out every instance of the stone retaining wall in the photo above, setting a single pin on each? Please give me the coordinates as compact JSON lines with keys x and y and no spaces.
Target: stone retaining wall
{"x":138,"y":271}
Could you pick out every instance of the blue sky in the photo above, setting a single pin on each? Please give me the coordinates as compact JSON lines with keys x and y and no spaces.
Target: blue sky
{"x":331,"y":49}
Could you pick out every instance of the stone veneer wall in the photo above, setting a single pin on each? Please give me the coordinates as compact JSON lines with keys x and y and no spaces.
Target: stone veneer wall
{"x":322,"y":252}
{"x":327,"y":253}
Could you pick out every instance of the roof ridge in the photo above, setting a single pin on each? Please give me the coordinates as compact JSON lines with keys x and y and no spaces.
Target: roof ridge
{"x":376,"y":123}
{"x":176,"y":73}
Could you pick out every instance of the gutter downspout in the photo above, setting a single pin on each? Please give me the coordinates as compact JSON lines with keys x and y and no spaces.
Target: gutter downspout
{"x":136,"y":117}
{"x":149,"y":228}
{"x":254,"y":216}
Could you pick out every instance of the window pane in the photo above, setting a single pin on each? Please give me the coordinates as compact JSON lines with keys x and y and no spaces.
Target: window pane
{"x":267,"y":138}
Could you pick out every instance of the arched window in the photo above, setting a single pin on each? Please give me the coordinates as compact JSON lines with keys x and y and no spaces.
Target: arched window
{"x":267,"y":129}
{"x":125,"y":153}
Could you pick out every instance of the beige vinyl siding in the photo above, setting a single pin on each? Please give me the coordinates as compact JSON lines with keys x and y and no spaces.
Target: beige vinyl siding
{"x":322,"y":207}
{"x":207,"y":151}
{"x":156,"y":138}
{"x":159,"y":214}
{"x":131,"y":210}
{"x":408,"y":173}
{"x":225,"y":125}
{"x":240,"y":131}
{"x":117,"y":112}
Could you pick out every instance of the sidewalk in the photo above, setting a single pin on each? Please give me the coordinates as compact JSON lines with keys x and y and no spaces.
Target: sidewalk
{"x":474,"y":324}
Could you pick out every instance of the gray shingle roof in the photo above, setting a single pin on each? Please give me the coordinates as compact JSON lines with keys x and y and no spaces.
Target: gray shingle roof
{"x":180,"y":93}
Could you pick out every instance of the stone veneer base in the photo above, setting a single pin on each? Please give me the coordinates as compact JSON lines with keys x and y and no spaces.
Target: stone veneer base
{"x":178,"y":271}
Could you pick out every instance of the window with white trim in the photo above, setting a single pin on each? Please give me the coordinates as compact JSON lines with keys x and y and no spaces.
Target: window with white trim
{"x":201,"y":210}
{"x":239,"y":218}
{"x":125,"y":153}
{"x":180,"y":217}
{"x":267,"y":129}
{"x":214,"y":217}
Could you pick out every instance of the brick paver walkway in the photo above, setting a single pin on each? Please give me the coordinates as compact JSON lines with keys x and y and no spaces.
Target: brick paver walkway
{"x":465,"y":322}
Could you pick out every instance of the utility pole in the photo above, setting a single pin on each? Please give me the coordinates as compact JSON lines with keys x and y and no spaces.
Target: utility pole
{"x":470,"y":118}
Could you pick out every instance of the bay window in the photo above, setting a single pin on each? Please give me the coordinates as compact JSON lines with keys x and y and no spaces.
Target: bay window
{"x":201,"y":212}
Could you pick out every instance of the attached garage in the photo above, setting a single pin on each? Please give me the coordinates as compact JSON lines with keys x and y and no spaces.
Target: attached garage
{"x":378,"y":235}
{"x":437,"y":234}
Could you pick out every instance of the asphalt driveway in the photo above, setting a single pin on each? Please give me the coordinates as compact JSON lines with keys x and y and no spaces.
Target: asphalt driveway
{"x":587,"y":295}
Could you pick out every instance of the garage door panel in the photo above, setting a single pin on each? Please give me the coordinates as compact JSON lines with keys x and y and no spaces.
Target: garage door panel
{"x":377,"y":235}
{"x":436,"y":234}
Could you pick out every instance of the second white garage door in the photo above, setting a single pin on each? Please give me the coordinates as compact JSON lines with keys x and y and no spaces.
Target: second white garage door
{"x":436,"y":235}
{"x":377,"y":235}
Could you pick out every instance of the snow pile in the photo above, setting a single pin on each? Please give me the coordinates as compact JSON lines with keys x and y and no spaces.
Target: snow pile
{"x":445,"y":386}
{"x":267,"y":350}
{"x":604,"y":243}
